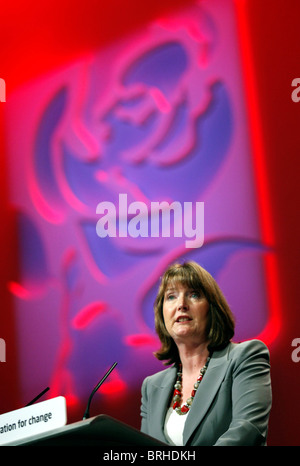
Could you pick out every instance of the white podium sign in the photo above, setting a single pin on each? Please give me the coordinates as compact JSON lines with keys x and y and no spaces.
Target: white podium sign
{"x":31,"y":420}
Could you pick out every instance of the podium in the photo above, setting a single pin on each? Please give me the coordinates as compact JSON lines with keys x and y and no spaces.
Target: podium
{"x":97,"y":431}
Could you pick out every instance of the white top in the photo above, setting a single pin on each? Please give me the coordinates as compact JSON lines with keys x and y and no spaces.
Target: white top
{"x":174,"y":425}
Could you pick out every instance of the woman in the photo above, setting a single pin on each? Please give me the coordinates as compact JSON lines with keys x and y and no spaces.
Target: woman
{"x":216,"y":392}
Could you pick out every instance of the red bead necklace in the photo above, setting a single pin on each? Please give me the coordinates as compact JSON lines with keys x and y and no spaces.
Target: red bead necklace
{"x":177,"y":390}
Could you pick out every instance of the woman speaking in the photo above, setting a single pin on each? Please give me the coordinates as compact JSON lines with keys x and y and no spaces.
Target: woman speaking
{"x":215,"y":392}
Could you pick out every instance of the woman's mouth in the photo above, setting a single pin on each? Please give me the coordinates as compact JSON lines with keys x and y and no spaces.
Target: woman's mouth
{"x":183,"y":319}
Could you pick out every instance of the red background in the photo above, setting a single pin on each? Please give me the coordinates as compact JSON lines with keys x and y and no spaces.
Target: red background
{"x":37,"y":37}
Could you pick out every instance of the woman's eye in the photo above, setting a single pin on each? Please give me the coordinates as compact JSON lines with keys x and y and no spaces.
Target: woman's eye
{"x":195,"y":295}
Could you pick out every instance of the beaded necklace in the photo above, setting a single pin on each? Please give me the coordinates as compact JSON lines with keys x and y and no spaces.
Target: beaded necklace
{"x":177,"y":392}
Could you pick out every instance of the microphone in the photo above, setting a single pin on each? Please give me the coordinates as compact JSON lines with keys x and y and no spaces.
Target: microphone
{"x":37,"y":397}
{"x":87,"y":411}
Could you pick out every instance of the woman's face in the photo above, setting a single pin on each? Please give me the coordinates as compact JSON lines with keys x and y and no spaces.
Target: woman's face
{"x":185,"y":313}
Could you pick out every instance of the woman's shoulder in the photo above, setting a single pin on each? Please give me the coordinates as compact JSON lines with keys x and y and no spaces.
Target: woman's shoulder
{"x":162,"y":377}
{"x":248,"y":348}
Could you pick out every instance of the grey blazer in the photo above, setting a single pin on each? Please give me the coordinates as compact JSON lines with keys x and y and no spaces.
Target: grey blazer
{"x":231,"y":405}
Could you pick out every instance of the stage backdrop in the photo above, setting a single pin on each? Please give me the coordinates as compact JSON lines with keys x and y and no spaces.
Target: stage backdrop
{"x":157,"y":116}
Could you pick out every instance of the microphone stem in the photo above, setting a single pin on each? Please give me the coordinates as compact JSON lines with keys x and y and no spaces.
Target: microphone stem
{"x":87,"y":411}
{"x":37,"y":397}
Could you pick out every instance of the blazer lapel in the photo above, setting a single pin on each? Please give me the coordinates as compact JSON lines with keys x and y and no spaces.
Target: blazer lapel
{"x":161,"y":394}
{"x":206,"y":392}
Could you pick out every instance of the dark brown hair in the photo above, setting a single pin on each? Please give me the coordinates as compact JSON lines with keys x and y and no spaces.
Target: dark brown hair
{"x":220,"y":327}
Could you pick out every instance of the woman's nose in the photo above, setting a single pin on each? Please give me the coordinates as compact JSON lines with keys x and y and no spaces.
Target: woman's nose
{"x":182,"y":302}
